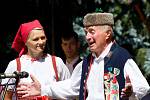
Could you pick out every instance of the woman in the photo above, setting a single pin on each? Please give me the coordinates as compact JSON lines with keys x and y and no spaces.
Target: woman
{"x":30,"y":42}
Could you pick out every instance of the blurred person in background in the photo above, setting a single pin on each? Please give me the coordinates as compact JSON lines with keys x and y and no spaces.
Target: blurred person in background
{"x":70,"y":46}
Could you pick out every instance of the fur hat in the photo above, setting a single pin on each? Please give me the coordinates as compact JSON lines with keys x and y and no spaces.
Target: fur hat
{"x":92,"y":19}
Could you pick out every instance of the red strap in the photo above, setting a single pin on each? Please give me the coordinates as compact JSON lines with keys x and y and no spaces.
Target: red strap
{"x":38,"y":97}
{"x":18,"y":64}
{"x":18,"y":69}
{"x":55,"y":68}
{"x":44,"y":98}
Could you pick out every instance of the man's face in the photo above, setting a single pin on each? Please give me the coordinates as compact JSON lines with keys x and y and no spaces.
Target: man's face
{"x":36,"y":42}
{"x":96,"y":37}
{"x":70,"y":47}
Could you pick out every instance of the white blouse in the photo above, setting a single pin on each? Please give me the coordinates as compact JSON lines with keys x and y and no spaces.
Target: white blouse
{"x":42,"y":69}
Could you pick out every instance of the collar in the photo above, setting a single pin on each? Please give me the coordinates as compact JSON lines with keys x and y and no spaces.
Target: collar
{"x":34,"y":59}
{"x":73,"y":62}
{"x":103,"y":54}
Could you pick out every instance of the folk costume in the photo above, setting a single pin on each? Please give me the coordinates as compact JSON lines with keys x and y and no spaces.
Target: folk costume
{"x":102,"y":77}
{"x":94,"y":81}
{"x":46,"y":69}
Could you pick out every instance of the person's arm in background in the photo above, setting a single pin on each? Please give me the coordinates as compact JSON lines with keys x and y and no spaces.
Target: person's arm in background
{"x":139,"y":83}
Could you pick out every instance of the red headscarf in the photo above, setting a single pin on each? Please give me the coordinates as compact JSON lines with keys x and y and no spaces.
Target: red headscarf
{"x":22,"y":35}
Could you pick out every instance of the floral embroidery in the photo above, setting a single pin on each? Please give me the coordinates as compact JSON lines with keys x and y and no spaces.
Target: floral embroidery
{"x":111,"y":84}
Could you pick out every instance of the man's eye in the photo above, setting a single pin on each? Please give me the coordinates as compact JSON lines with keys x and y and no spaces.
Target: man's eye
{"x":91,"y":31}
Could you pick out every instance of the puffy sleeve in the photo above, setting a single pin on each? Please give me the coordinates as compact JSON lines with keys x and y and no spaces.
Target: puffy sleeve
{"x":63,"y":71}
{"x":9,"y":70}
{"x":67,"y":88}
{"x":138,"y":81}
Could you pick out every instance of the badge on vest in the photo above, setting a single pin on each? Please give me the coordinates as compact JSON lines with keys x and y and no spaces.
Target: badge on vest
{"x":111,"y":84}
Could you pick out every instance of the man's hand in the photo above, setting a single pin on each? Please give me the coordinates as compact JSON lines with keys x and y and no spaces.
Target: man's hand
{"x":25,"y":90}
{"x":128,"y":90}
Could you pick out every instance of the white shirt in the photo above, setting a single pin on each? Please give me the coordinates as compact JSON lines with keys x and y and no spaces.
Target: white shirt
{"x":42,"y":69}
{"x":71,"y":64}
{"x":95,"y":82}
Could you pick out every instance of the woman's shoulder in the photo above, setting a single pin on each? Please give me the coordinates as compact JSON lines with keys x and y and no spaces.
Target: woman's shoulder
{"x":56,"y":57}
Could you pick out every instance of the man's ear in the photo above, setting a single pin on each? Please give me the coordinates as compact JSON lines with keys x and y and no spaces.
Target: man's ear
{"x":108,"y":34}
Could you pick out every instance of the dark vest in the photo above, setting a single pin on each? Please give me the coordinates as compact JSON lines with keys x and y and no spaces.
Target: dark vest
{"x":74,"y":65}
{"x":116,"y":58}
{"x":78,"y":61}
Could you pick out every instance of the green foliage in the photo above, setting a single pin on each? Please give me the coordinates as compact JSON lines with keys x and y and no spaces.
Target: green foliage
{"x":140,"y":57}
{"x":130,"y":29}
{"x":98,"y":10}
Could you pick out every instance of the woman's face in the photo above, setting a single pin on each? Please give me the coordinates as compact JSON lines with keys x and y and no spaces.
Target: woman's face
{"x":36,"y":42}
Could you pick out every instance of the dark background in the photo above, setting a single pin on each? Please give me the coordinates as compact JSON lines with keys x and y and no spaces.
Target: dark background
{"x":55,"y":16}
{"x":52,"y":14}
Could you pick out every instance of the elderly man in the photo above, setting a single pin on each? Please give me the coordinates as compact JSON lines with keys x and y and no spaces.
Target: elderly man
{"x":108,"y":73}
